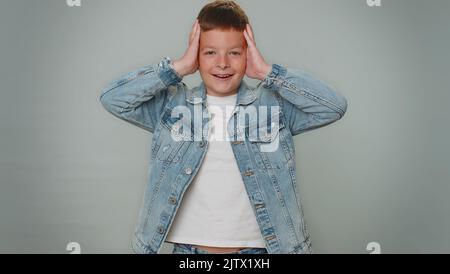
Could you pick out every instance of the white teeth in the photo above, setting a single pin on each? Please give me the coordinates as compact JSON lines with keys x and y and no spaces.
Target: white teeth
{"x":223,"y":76}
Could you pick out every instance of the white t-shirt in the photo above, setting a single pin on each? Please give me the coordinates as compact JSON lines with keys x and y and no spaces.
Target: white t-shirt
{"x":215,"y":209}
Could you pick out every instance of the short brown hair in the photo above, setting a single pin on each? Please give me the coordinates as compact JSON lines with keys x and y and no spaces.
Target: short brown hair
{"x":223,"y":15}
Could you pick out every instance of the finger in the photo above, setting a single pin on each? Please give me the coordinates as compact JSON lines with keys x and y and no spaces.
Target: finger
{"x":191,"y":35}
{"x":247,"y":38}
{"x":193,"y":30}
{"x":198,"y":28}
{"x":194,"y":33}
{"x":197,"y":24}
{"x":250,"y":32}
{"x":197,"y":33}
{"x":195,"y":36}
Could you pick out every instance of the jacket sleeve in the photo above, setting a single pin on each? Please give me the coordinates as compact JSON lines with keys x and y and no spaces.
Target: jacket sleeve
{"x":139,"y":97}
{"x":307,"y":103}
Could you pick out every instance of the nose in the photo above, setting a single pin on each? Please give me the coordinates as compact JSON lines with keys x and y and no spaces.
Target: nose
{"x":223,"y":62}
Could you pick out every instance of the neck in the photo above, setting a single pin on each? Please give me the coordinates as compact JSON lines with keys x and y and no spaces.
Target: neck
{"x":210,"y":93}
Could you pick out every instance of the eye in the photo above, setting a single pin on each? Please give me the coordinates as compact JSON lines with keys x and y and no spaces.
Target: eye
{"x":209,"y":52}
{"x":235,"y":53}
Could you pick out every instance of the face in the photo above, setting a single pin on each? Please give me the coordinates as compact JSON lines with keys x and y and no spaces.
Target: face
{"x":222,"y":61}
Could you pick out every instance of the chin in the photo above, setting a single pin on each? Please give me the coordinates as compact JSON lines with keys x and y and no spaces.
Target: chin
{"x":218,"y":90}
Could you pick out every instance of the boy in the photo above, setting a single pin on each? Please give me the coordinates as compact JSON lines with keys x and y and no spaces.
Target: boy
{"x":210,"y":193}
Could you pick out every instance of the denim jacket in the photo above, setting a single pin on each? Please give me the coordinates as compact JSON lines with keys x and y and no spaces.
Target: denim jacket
{"x":148,"y":97}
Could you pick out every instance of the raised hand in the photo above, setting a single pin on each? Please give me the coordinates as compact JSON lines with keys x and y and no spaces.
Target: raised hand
{"x":257,"y":67}
{"x":188,"y":64}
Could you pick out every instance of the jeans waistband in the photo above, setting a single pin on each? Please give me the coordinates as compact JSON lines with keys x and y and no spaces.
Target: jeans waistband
{"x":179,"y":248}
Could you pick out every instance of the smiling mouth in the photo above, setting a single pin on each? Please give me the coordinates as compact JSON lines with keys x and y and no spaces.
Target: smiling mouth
{"x":223,"y":76}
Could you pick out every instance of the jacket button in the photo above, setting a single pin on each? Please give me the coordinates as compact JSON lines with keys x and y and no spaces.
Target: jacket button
{"x":268,"y":238}
{"x":188,"y":171}
{"x":202,"y":143}
{"x":257,"y":206}
{"x":173,"y":200}
{"x":160,"y":229}
{"x":249,"y":173}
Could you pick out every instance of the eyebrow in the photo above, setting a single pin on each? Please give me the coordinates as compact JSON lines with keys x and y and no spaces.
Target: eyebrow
{"x":209,"y":47}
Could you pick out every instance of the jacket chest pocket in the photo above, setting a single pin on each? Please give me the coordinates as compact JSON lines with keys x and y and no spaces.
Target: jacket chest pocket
{"x":267,"y":138}
{"x":271,"y":149}
{"x":170,"y":152}
{"x":172,"y":145}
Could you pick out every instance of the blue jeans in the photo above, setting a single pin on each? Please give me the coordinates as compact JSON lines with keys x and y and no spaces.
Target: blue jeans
{"x":189,"y":249}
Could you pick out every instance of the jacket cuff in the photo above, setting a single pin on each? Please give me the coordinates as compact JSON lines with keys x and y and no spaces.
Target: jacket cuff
{"x":275,"y":78}
{"x":167,"y":74}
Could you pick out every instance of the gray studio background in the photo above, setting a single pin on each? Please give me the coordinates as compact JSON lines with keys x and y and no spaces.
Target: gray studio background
{"x":71,"y":172}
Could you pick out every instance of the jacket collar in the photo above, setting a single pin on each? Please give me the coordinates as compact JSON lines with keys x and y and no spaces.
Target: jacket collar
{"x":198,"y":94}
